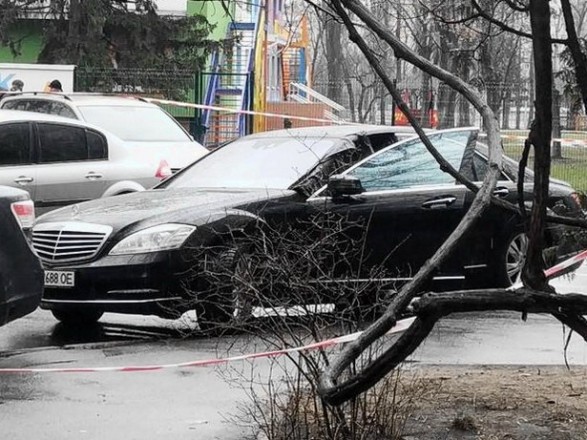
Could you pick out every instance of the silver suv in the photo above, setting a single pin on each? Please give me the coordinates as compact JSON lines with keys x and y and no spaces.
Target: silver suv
{"x":60,"y":161}
{"x":134,"y":120}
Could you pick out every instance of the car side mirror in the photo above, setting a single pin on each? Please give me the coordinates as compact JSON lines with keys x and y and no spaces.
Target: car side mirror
{"x":341,"y":186}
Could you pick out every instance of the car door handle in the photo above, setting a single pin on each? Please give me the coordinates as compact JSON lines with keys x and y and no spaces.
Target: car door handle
{"x":442,"y":202}
{"x":501,"y":191}
{"x":93,"y":176}
{"x":23,"y":180}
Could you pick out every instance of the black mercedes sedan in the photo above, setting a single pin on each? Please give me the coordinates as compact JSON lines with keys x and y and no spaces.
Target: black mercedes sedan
{"x":132,"y":253}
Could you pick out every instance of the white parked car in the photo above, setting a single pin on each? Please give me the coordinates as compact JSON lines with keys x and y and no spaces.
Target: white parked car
{"x":134,"y":120}
{"x":61,"y":161}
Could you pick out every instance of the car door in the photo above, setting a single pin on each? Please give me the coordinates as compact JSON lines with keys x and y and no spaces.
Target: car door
{"x":73,"y":165}
{"x":17,"y":166}
{"x":409,"y":206}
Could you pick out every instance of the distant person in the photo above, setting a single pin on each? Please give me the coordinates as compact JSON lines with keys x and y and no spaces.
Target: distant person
{"x":55,"y":86}
{"x":16,"y":86}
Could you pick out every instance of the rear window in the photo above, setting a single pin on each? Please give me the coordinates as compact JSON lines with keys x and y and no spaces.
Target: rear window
{"x":40,"y":106}
{"x":129,"y":123}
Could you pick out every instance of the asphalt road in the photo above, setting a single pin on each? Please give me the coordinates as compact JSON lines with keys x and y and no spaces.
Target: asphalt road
{"x":203,"y":403}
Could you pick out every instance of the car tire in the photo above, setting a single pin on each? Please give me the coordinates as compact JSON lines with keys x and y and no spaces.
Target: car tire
{"x":76,"y":317}
{"x":511,"y":257}
{"x":224,"y":306}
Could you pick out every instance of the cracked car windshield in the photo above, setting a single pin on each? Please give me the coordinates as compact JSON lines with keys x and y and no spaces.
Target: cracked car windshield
{"x":255,"y":163}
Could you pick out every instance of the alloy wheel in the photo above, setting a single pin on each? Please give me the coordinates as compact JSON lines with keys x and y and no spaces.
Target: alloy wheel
{"x":516,"y":257}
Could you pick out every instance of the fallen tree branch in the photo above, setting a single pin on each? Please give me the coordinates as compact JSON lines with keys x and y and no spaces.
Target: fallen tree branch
{"x":431,"y":307}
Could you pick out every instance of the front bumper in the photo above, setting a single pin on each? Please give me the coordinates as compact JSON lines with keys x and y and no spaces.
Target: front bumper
{"x":138,"y":284}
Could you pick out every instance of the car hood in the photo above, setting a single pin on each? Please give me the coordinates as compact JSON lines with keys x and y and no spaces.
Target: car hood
{"x":177,"y":154}
{"x":147,"y":208}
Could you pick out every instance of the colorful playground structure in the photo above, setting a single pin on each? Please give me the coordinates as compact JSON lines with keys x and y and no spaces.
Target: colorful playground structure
{"x":265,"y":69}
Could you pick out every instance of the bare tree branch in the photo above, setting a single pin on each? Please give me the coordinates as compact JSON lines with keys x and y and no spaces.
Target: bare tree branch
{"x":433,"y":306}
{"x":505,"y":27}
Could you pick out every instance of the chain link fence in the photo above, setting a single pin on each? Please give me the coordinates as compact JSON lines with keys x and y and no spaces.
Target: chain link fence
{"x":368,"y":101}
{"x":172,"y":84}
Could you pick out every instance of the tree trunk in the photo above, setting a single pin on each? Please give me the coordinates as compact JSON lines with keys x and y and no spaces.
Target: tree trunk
{"x":507,"y":107}
{"x":334,"y":58}
{"x":540,"y":136}
{"x":74,"y":30}
{"x":518,"y":87}
{"x":532,"y":81}
{"x":556,"y":125}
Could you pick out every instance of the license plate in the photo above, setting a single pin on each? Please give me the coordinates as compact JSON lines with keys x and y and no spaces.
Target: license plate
{"x":59,"y":278}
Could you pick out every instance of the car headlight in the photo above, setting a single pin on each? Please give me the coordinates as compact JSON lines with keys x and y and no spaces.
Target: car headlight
{"x":156,"y":238}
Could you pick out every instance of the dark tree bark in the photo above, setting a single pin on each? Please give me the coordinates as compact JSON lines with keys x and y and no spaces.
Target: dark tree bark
{"x":556,"y":151}
{"x":540,"y":137}
{"x":334,"y":58}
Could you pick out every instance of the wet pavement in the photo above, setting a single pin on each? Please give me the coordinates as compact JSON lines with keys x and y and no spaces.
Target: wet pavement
{"x":204,"y":402}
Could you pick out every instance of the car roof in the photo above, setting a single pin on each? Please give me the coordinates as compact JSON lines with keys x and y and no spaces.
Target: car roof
{"x":334,"y":131}
{"x":82,"y":98}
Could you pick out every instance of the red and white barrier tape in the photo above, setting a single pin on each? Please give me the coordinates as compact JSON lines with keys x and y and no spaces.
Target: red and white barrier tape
{"x":246,"y":112}
{"x":558,"y":269}
{"x":306,"y":118}
{"x":401,"y":326}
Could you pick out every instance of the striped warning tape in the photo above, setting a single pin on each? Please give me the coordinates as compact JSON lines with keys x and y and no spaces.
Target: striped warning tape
{"x":247,"y":112}
{"x":401,"y":326}
{"x":558,"y":269}
{"x":575,"y":142}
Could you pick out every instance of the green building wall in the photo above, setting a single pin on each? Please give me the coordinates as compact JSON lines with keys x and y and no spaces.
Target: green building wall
{"x":216,"y":14}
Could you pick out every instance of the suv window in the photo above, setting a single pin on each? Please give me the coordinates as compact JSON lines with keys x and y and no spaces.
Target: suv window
{"x":15,"y":105}
{"x":40,"y":106}
{"x":60,"y":109}
{"x":15,"y":146}
{"x":60,"y":143}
